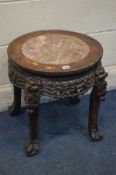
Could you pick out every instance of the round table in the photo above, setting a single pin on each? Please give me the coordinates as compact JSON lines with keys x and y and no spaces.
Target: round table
{"x":59,"y":64}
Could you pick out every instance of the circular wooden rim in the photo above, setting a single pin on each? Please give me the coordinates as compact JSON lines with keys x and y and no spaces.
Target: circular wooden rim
{"x":16,"y":55}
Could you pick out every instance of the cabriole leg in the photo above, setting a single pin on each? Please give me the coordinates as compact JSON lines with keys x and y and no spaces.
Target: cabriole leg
{"x":97,"y":94}
{"x":15,"y":108}
{"x":32,"y":96}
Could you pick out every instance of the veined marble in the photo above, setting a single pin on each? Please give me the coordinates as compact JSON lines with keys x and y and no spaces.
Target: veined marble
{"x":55,"y":49}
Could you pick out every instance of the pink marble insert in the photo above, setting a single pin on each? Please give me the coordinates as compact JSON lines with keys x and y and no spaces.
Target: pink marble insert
{"x":55,"y":49}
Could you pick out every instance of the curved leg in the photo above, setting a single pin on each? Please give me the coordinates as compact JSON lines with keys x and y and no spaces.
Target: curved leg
{"x":32,"y":148}
{"x":32,"y":96}
{"x":97,"y":94}
{"x":15,"y":108}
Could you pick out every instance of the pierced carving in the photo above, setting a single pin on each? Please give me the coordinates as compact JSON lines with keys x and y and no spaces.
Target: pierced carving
{"x":16,"y":76}
{"x":71,"y":85}
{"x":36,"y":85}
{"x":59,"y":88}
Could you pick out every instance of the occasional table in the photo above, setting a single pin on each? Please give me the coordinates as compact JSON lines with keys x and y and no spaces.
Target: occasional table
{"x":59,"y":64}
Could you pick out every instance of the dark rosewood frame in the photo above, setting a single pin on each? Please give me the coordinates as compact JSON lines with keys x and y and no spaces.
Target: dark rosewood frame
{"x":58,"y":86}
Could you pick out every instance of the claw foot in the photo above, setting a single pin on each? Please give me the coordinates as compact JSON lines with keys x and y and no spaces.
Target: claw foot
{"x":95,"y":135}
{"x":13,"y":110}
{"x":32,"y":149}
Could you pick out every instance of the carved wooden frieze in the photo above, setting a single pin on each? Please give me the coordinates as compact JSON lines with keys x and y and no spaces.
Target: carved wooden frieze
{"x":67,"y":87}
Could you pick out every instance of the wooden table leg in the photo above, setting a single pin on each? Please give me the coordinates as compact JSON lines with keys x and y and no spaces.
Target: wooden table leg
{"x":32,"y":96}
{"x":97,"y":94}
{"x":15,"y":108}
{"x":32,"y":148}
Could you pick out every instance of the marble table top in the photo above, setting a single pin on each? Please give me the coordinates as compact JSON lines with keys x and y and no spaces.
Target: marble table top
{"x":55,"y":52}
{"x":55,"y":49}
